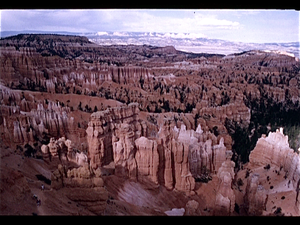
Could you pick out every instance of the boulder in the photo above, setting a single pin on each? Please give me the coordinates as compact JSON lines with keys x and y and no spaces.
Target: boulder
{"x":192,"y":208}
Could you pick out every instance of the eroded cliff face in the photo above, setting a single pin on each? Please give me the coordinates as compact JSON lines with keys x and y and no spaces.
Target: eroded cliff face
{"x":147,"y":159}
{"x":255,"y":197}
{"x":272,"y":173}
{"x":106,"y":128}
{"x":84,"y":187}
{"x":276,"y":152}
{"x":225,"y":198}
{"x":28,"y":120}
{"x":158,"y":79}
{"x":173,"y":157}
{"x":147,"y":120}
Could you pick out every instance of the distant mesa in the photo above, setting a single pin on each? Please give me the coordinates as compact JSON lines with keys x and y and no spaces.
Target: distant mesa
{"x":190,"y":42}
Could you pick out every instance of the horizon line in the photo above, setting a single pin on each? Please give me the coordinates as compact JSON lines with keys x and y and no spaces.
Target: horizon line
{"x":88,"y":32}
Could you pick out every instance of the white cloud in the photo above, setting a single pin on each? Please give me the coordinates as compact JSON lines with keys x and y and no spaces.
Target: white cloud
{"x":113,"y":20}
{"x":143,"y":21}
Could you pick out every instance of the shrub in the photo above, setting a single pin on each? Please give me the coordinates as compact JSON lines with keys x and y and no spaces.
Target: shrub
{"x":267,"y":167}
{"x":240,"y":182}
{"x":30,"y":151}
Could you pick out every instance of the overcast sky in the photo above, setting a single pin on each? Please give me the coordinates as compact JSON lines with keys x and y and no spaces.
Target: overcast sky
{"x":257,"y":26}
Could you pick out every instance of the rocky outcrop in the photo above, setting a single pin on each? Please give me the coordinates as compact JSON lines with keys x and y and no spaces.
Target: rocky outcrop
{"x":236,"y":111}
{"x":86,"y":187}
{"x":225,"y":198}
{"x":183,"y":177}
{"x":111,"y":136}
{"x":28,"y":120}
{"x":255,"y":197}
{"x":55,"y":150}
{"x":124,"y":151}
{"x":72,"y":64}
{"x":54,"y":119}
{"x":147,"y":159}
{"x":133,"y":75}
{"x":192,"y":208}
{"x":62,"y":151}
{"x":204,"y":156}
{"x":20,"y":134}
{"x":276,"y":172}
{"x":174,"y":157}
{"x":81,"y":177}
{"x":28,"y":68}
{"x":45,"y":153}
{"x":274,"y":150}
{"x":102,"y":128}
{"x":192,"y":152}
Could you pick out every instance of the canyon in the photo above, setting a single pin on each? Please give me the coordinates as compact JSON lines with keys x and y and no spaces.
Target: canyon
{"x":145,"y":130}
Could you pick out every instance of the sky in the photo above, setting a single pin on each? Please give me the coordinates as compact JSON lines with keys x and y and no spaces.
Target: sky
{"x":254,"y":26}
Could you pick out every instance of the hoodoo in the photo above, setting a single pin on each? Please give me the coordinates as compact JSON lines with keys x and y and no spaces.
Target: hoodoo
{"x":91,"y":129}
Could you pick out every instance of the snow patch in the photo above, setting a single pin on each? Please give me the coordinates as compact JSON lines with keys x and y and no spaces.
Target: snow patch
{"x":283,"y":186}
{"x":175,"y":212}
{"x":121,"y":34}
{"x":280,"y":52}
{"x":184,"y":35}
{"x":100,"y":33}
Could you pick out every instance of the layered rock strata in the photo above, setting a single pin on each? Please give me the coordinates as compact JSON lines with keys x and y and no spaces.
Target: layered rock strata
{"x":274,"y":150}
{"x":177,"y":139}
{"x":147,"y":159}
{"x":237,"y":112}
{"x":124,"y":151}
{"x":61,"y":151}
{"x":225,"y":198}
{"x":81,"y":177}
{"x":101,"y":130}
{"x":255,"y":197}
{"x":84,"y":187}
{"x":28,"y":120}
{"x":173,"y":157}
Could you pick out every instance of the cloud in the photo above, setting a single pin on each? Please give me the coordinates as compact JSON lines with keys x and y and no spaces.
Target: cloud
{"x":144,"y":21}
{"x":174,"y":21}
{"x":48,"y":20}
